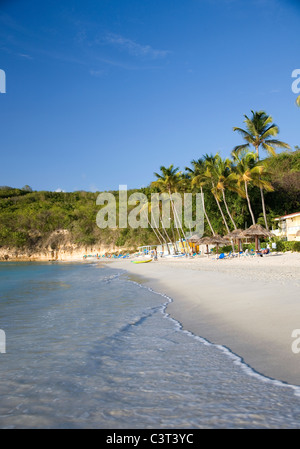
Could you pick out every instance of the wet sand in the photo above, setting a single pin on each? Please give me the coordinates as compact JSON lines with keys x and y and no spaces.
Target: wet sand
{"x":250,"y":305}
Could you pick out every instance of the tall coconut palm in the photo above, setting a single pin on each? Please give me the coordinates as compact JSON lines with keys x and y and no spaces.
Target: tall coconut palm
{"x":198,"y":180}
{"x":225,"y":180}
{"x":210,"y":176}
{"x":248,"y":171}
{"x":262,"y":184}
{"x":243,"y":171}
{"x":145,"y":210}
{"x":164,"y":235}
{"x":260,"y":132}
{"x":169,"y":181}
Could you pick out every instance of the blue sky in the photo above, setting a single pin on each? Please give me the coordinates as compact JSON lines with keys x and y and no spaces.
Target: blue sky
{"x":102,"y":93}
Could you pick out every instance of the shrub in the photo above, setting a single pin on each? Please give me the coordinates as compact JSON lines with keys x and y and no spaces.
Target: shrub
{"x":284,"y":246}
{"x":297,"y":246}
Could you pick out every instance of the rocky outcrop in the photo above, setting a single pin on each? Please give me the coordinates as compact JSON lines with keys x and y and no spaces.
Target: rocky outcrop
{"x":57,"y":246}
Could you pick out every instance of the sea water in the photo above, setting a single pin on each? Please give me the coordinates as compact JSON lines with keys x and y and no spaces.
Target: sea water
{"x":88,"y":348}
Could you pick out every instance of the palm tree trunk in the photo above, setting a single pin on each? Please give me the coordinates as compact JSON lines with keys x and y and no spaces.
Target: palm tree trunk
{"x":264,"y":207}
{"x":174,"y":238}
{"x":177,"y":222}
{"x":227,"y":209}
{"x":205,"y":213}
{"x":167,"y":235}
{"x":183,"y":233}
{"x":223,"y":216}
{"x":158,"y":231}
{"x":155,"y":232}
{"x":262,"y":194}
{"x":176,"y":225}
{"x":249,"y":204}
{"x":164,"y":229}
{"x":220,"y":208}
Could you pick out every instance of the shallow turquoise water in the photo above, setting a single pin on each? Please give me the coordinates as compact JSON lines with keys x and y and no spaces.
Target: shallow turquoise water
{"x":87,"y":348}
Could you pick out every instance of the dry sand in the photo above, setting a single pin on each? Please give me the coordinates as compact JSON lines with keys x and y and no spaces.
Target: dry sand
{"x":250,"y":305}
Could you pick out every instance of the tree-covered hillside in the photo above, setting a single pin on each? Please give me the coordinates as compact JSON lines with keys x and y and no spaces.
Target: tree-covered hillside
{"x":28,"y":218}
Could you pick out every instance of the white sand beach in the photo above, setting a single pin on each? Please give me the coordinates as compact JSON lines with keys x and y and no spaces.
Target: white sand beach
{"x":250,"y":305}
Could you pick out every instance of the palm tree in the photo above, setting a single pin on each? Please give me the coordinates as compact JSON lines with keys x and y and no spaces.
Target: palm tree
{"x":260,"y":132}
{"x":248,"y":172}
{"x":169,"y":181}
{"x":259,"y":129}
{"x":164,"y":235}
{"x":225,"y":180}
{"x":146,"y":209}
{"x":263,"y":184}
{"x":243,"y":172}
{"x":209,"y":175}
{"x":198,"y":180}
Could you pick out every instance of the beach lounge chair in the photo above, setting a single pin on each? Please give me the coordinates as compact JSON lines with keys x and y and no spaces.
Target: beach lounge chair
{"x":265,"y":251}
{"x":221,"y":256}
{"x":195,"y":254}
{"x":231,"y":254}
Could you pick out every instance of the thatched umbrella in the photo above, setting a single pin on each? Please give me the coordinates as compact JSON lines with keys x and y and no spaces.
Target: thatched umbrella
{"x":218,"y":240}
{"x":257,"y":231}
{"x":194,"y":239}
{"x":237,"y":234}
{"x":205,"y":241}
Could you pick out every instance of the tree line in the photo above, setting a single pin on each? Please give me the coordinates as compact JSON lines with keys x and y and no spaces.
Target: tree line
{"x":238,"y":191}
{"x":241,"y":174}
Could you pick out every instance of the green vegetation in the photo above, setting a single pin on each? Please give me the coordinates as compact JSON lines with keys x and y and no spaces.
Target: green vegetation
{"x":237,"y":192}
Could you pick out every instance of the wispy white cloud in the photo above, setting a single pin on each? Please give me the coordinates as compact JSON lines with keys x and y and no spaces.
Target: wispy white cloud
{"x":82,"y":46}
{"x":97,"y":73}
{"x":133,"y":47}
{"x":23,"y":55}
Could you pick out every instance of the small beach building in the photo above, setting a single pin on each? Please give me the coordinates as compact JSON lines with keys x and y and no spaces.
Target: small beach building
{"x":288,"y":227}
{"x":164,"y":250}
{"x":145,"y":250}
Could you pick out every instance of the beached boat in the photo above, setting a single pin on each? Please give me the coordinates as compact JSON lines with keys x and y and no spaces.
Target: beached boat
{"x":142,"y":261}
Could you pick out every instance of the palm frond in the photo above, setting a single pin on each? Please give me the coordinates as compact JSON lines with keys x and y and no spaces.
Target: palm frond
{"x":277,"y":143}
{"x":237,"y":151}
{"x":244,"y":133}
{"x":269,"y":148}
{"x":272,"y":130}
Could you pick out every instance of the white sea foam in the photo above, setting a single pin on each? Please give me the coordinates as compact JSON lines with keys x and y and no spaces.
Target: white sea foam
{"x":237,"y":360}
{"x":105,"y":353}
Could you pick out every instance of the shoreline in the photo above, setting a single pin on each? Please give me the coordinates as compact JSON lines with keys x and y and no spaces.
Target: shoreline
{"x":249,"y":305}
{"x":245,"y":305}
